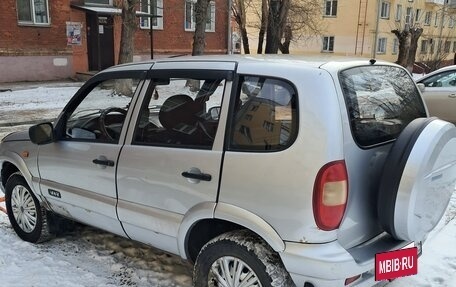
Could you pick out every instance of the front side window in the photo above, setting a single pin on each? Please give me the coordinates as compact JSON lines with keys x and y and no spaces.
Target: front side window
{"x":381,"y":47}
{"x":155,"y":8}
{"x":33,"y":12}
{"x":328,"y":44}
{"x":385,"y":10}
{"x":444,"y":79}
{"x":180,"y":112}
{"x":331,"y":8}
{"x":190,"y":16}
{"x":100,"y":116}
{"x":381,"y":101}
{"x":265,"y":117}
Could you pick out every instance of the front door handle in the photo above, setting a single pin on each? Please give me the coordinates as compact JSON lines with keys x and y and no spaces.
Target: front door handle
{"x":197,"y":176}
{"x":103,"y":161}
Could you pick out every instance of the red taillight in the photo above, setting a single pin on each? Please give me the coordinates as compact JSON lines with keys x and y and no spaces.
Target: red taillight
{"x":330,"y":195}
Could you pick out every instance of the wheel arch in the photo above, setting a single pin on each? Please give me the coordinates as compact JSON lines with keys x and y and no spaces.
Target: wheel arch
{"x":12,"y":163}
{"x":208,"y":220}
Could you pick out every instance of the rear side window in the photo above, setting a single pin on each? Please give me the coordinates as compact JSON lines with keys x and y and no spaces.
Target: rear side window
{"x":264,"y":115}
{"x":381,"y":101}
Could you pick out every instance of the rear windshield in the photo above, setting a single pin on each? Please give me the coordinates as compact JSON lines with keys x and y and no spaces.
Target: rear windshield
{"x":381,"y":101}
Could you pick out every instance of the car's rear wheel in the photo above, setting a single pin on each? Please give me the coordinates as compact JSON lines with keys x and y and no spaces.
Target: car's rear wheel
{"x":418,"y":179}
{"x":239,"y":258}
{"x":28,"y":218}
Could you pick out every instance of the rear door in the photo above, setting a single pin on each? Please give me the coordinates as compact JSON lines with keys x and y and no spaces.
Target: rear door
{"x":172,"y":160}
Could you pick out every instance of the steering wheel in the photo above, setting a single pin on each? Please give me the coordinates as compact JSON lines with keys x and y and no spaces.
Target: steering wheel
{"x":102,"y":120}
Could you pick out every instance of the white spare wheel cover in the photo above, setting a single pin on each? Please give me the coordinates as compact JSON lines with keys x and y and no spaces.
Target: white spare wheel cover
{"x":418,"y":179}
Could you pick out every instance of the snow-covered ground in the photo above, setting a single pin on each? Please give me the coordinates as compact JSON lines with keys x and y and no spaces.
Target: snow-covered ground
{"x":90,"y":257}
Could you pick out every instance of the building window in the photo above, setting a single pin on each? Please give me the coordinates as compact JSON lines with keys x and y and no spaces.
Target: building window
{"x":431,"y":46}
{"x":99,"y":2}
{"x":451,"y":22}
{"x":385,"y":10}
{"x":424,"y":46}
{"x":409,"y":15}
{"x":381,"y":47}
{"x":454,"y":47}
{"x":190,"y":16}
{"x":398,"y":12}
{"x":447,"y":46}
{"x":395,"y":46}
{"x":33,"y":12}
{"x":427,"y":18}
{"x":417,"y":15}
{"x":328,"y":44}
{"x":436,"y":18}
{"x":153,"y":7}
{"x":330,"y":7}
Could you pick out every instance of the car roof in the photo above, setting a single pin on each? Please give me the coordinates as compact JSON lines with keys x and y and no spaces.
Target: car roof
{"x":447,"y":68}
{"x":267,"y":60}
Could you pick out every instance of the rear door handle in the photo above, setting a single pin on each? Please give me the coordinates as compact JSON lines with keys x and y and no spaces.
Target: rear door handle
{"x":197,"y":176}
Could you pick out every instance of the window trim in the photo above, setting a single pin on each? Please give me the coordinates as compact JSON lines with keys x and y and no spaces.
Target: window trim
{"x":237,"y":85}
{"x":384,"y":46}
{"x":211,"y":10}
{"x":326,"y":49}
{"x":387,"y":6}
{"x":160,"y":8}
{"x":332,"y":10}
{"x":32,"y":12}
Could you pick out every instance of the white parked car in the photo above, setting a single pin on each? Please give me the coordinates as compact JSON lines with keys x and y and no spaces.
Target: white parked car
{"x":439,"y":92}
{"x":262,"y":171}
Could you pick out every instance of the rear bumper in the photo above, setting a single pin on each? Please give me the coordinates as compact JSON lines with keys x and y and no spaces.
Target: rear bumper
{"x":327,"y":264}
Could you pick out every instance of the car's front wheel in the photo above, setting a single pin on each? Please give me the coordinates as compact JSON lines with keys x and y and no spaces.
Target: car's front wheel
{"x":239,"y":258}
{"x":28,"y":218}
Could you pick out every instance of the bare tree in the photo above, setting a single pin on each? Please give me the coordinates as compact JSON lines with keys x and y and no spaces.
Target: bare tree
{"x":200,"y":13}
{"x":239,"y":14}
{"x":280,"y":22}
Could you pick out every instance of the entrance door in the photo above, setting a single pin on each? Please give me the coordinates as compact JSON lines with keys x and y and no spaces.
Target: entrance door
{"x":100,"y":41}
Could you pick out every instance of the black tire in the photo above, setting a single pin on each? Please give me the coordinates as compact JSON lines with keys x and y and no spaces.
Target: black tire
{"x":34,"y":229}
{"x":247,"y":248}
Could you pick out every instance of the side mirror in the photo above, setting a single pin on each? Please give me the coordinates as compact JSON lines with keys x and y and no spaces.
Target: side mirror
{"x":41,"y":133}
{"x":214,"y":112}
{"x":421,"y":87}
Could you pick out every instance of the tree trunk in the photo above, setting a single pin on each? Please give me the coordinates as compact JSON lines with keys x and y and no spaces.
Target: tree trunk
{"x":129,"y":23}
{"x":415,"y":34}
{"x":264,"y":24}
{"x":127,"y":47}
{"x":288,"y":36}
{"x":239,"y":16}
{"x":404,"y":45}
{"x":199,"y":42}
{"x":277,"y":17}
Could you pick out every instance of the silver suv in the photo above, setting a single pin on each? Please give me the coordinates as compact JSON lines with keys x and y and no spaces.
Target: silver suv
{"x":261,"y":171}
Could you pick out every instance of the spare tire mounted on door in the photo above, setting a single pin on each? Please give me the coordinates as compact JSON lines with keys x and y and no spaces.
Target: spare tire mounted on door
{"x":418,"y":179}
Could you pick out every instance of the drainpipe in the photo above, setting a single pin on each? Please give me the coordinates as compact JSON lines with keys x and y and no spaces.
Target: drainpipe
{"x":377,"y":20}
{"x":229,"y":47}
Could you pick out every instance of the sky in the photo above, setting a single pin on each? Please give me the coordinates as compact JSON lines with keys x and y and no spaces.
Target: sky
{"x":90,"y":257}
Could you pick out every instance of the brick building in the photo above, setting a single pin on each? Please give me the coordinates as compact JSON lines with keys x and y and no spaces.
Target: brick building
{"x":46,"y":40}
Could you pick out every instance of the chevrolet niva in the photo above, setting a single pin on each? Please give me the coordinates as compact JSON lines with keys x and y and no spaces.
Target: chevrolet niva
{"x":262,"y":171}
